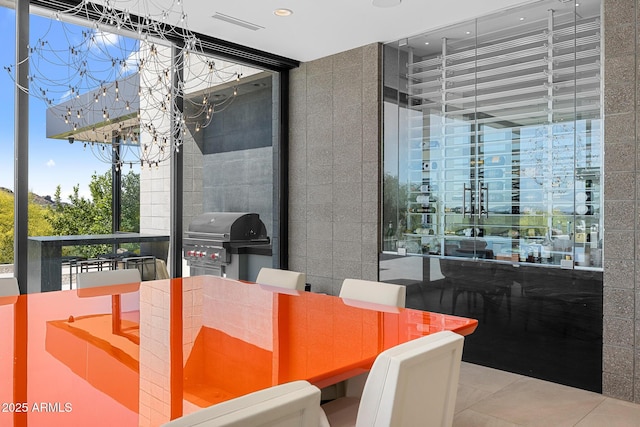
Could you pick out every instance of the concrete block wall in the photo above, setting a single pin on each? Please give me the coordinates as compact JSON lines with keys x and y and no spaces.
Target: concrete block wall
{"x":192,"y":181}
{"x":155,"y":207}
{"x":621,"y":293}
{"x":240,"y":181}
{"x":334,"y":161}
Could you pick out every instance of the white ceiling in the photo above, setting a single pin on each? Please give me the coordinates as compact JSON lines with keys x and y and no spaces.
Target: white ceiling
{"x":318,"y":28}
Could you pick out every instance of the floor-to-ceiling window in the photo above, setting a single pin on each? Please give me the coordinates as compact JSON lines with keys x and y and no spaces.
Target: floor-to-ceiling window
{"x":7,"y":55}
{"x":493,"y":181}
{"x":82,"y":145}
{"x":69,"y":188}
{"x":229,"y":164}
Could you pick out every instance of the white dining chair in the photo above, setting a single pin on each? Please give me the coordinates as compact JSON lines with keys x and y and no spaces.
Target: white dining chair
{"x":9,"y":290}
{"x":9,"y":287}
{"x":95,"y":283}
{"x":281,"y":278}
{"x":412,"y":384}
{"x":146,"y":265}
{"x":294,"y":404}
{"x":372,"y":295}
{"x":374,"y":292}
{"x":161,"y":270}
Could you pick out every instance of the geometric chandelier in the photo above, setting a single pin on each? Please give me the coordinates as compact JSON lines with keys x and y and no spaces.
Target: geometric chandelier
{"x":131,"y":85}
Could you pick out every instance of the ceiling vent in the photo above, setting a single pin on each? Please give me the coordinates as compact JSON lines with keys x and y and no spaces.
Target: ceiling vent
{"x":386,"y":3}
{"x":236,"y":21}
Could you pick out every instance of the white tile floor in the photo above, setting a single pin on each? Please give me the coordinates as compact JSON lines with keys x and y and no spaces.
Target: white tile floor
{"x":489,"y":397}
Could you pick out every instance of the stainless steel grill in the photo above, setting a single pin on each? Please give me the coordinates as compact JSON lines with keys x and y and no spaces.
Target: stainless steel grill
{"x":215,"y":240}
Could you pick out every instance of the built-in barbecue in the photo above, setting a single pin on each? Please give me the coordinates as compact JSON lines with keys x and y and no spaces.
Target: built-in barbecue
{"x":216,"y":242}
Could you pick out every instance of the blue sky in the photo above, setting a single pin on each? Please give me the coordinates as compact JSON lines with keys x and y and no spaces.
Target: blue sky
{"x":52,"y":162}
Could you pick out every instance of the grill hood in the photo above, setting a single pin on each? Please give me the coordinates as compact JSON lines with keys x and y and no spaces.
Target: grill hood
{"x":228,"y":226}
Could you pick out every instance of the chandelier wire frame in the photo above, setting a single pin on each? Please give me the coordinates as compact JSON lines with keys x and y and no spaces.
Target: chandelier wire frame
{"x":114,"y":82}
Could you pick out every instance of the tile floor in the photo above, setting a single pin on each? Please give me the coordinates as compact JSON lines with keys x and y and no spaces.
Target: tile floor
{"x":489,"y":397}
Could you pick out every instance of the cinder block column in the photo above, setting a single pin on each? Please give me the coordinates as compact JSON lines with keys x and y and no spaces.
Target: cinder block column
{"x":334,"y":181}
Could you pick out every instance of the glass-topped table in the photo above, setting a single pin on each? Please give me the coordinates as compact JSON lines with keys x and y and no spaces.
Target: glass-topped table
{"x":142,"y":354}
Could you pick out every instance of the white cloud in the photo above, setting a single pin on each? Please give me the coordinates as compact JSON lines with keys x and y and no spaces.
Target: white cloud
{"x":131,"y":63}
{"x":51,"y":163}
{"x":66,"y":96}
{"x":107,"y":38}
{"x":103,"y":39}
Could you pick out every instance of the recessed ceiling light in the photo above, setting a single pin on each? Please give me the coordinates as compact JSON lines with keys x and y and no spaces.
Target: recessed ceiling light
{"x":468,"y":32}
{"x":385,"y":3}
{"x":282,"y":12}
{"x":426,"y":43}
{"x":522,"y":19}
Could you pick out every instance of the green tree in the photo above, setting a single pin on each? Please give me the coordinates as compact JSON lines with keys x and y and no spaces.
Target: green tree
{"x":394,"y":205}
{"x":130,"y":202}
{"x":6,"y":228}
{"x":94,"y":216}
{"x":38,"y":224}
{"x":79,"y":216}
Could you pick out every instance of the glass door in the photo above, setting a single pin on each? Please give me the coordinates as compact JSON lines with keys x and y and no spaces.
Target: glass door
{"x":463,"y":203}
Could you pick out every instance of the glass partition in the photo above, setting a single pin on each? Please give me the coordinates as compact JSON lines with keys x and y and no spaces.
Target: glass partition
{"x":497,"y":149}
{"x":229,"y":165}
{"x":492,"y":192}
{"x":138,"y":101}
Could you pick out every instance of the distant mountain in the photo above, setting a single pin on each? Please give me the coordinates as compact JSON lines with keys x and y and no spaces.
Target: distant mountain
{"x":43,"y":201}
{"x":38,"y":200}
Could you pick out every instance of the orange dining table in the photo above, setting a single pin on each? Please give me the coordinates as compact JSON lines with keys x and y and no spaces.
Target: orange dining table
{"x":143,"y":354}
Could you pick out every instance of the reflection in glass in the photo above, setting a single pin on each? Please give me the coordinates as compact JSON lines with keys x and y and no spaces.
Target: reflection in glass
{"x":494,"y":132}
